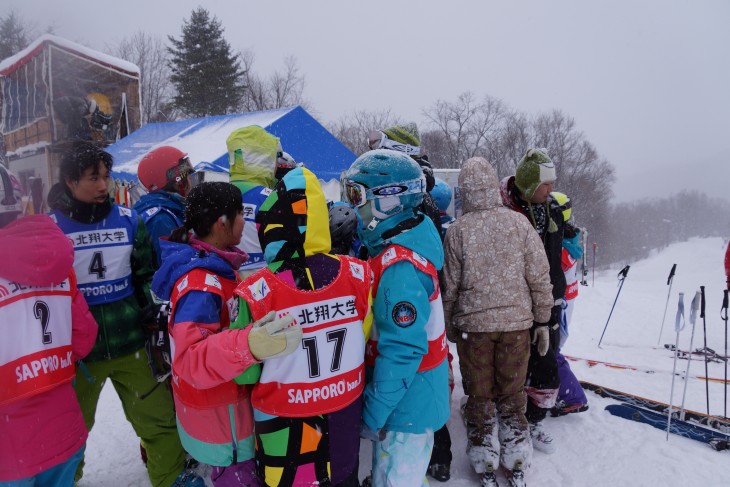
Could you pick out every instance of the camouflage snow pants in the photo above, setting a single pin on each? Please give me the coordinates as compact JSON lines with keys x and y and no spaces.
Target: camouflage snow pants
{"x":493,"y":368}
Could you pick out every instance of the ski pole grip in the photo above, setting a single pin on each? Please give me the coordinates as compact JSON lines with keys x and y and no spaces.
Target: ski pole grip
{"x":624,"y":272}
{"x":671,"y":274}
{"x":724,"y":299}
{"x":702,"y":302}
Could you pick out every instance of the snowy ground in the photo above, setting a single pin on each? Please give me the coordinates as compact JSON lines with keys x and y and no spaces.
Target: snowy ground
{"x":594,"y":448}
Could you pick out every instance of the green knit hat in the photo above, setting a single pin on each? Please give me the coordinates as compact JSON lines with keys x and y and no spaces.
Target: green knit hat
{"x":405,"y":134}
{"x":534,"y":169}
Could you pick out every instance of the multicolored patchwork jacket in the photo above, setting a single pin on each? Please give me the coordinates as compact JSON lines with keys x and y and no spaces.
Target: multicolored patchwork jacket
{"x":308,"y":404}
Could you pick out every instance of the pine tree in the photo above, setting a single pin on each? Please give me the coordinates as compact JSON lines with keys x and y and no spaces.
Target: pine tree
{"x":13,"y":34}
{"x":205,"y":73}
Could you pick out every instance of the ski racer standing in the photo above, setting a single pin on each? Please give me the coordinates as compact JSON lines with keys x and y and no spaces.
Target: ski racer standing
{"x":571,"y":398}
{"x":528,"y":192}
{"x":47,"y":327}
{"x":253,"y":155}
{"x":497,"y":287}
{"x":406,"y":354}
{"x":406,"y":139}
{"x":308,"y":405}
{"x":113,"y":264}
{"x":165,"y":172}
{"x":198,"y":275}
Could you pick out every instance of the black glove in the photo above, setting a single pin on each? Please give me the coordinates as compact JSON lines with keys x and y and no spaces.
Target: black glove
{"x":555,"y":314}
{"x":152,"y":316}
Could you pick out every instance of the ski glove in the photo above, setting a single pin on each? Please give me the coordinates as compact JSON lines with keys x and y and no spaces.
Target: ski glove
{"x":541,"y":337}
{"x":368,"y":434}
{"x":273,"y":337}
{"x":451,"y":333}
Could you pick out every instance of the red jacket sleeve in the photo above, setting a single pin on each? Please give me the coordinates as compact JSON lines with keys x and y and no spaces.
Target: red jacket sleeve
{"x":83,"y":327}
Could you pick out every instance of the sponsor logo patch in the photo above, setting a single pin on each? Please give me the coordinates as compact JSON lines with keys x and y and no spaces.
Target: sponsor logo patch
{"x":357,"y":271}
{"x":387,"y":256}
{"x":259,"y":289}
{"x":182,"y":285}
{"x":404,"y":314}
{"x":212,"y":280}
{"x":419,"y":258}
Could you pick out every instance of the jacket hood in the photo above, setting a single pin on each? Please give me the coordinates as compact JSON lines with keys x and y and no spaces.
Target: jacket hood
{"x":178,"y":259}
{"x":478,"y":185}
{"x":293,"y":221}
{"x":36,"y":252}
{"x":252,"y":153}
{"x":161,"y":199}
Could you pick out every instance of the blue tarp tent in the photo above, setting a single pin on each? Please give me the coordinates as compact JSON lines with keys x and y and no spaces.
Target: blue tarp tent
{"x":204,"y":139}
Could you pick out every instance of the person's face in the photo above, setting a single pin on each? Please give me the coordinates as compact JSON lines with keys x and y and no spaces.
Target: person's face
{"x":93,"y":185}
{"x":236,"y":230}
{"x":542,"y":192}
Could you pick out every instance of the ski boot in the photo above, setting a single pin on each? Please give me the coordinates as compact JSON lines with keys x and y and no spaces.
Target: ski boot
{"x":440,"y":471}
{"x":562,"y":409}
{"x":541,"y":439}
{"x":517,"y":479}
{"x":488,"y":478}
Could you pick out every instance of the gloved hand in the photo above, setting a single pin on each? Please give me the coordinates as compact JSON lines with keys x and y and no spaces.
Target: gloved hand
{"x":273,"y":337}
{"x":451,"y":333}
{"x":555,"y":313}
{"x":368,"y":434}
{"x":541,"y":337}
{"x":153,"y":317}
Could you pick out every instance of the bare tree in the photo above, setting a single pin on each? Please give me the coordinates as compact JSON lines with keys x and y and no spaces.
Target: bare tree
{"x":352,"y":129}
{"x":150,"y":55}
{"x":468,"y":126}
{"x":514,"y":139}
{"x":280,"y":89}
{"x":582,"y":173}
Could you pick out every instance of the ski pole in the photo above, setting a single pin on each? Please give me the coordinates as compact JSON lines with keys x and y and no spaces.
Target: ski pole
{"x":723,"y":316}
{"x":692,"y":319}
{"x":704,"y":332}
{"x":621,"y":277}
{"x":678,"y":326}
{"x":594,"y":264}
{"x":670,"y":281}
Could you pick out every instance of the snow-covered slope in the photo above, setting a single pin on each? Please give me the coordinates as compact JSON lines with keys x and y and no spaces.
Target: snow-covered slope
{"x":594,"y":448}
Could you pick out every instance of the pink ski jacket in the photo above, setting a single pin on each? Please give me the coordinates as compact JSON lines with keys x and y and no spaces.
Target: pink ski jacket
{"x":40,"y":430}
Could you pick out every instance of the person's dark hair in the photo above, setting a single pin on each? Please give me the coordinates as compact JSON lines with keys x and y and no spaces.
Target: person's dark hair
{"x":205,"y":203}
{"x":83,"y":155}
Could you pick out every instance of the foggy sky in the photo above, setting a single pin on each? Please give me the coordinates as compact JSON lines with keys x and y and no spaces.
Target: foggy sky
{"x":647,"y":81}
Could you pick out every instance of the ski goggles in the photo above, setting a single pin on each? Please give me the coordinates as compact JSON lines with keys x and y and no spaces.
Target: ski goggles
{"x":183,"y":169}
{"x":357,"y":195}
{"x":378,"y":140}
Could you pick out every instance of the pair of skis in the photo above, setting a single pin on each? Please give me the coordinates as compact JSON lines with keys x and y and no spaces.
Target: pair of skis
{"x":713,"y":430}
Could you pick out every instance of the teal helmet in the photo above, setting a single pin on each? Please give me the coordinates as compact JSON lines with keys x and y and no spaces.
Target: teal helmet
{"x":442,"y":194}
{"x":381,"y":184}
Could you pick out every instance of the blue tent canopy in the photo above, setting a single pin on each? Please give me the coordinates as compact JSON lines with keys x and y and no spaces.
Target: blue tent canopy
{"x":204,"y":140}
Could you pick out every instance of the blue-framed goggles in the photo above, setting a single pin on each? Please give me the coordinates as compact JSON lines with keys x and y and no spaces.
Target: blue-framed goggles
{"x":356,"y":195}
